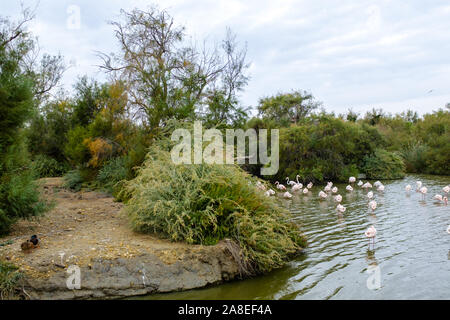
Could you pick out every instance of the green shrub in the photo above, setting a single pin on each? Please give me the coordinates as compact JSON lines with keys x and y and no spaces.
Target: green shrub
{"x":9,"y":280}
{"x":73,"y":180}
{"x":384,"y":165}
{"x":19,"y":195}
{"x":44,"y":166}
{"x":414,"y":157}
{"x":110,"y":176}
{"x":203,"y":204}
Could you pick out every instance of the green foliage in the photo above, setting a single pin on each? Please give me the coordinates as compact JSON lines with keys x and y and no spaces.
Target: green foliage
{"x":44,"y":166}
{"x":112,"y":174}
{"x":73,"y":180}
{"x":414,"y":157}
{"x":384,"y":165}
{"x":325,"y":148}
{"x":76,"y":149}
{"x":19,"y":197}
{"x":287,"y":108}
{"x":10,"y":278}
{"x":203,"y":204}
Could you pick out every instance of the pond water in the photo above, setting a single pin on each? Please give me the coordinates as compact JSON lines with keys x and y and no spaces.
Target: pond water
{"x":409,"y":260}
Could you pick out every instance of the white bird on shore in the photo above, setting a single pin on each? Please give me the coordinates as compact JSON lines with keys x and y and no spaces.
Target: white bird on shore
{"x":349,"y":188}
{"x":360,"y":183}
{"x":352,"y":180}
{"x":446,"y":189}
{"x":423,"y":191}
{"x":408,"y":188}
{"x":370,"y":195}
{"x":373,"y":205}
{"x":334,"y":190}
{"x":371,"y":233}
{"x":305,"y":191}
{"x":280,"y":186}
{"x":338,"y":198}
{"x":323,"y":195}
{"x":287,"y":195}
{"x":340,"y":208}
{"x":380,"y":188}
{"x":310,"y":185}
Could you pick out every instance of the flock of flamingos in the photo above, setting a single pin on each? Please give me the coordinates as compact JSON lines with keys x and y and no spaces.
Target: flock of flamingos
{"x":330,"y":190}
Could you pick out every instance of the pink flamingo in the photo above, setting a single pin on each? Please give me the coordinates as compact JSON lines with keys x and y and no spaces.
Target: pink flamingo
{"x":371,"y":233}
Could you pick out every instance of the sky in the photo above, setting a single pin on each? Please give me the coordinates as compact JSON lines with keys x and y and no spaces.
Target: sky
{"x":360,"y":54}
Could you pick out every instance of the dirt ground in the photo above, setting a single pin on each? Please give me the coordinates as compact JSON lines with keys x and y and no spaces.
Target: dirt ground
{"x":81,"y":226}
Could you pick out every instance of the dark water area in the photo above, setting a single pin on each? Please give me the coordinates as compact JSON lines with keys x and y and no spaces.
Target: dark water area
{"x":409,"y":260}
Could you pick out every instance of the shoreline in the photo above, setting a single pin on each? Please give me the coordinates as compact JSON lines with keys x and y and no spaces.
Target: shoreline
{"x":85,"y":229}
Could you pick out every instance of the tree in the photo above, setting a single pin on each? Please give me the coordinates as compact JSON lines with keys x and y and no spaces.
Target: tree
{"x":286,"y":108}
{"x":166,"y":78}
{"x":19,"y":197}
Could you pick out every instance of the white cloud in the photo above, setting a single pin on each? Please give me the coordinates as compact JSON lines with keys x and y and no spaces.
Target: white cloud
{"x":354,"y":54}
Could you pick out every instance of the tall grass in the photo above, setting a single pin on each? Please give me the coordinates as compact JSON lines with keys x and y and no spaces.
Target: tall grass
{"x":9,"y":280}
{"x":203,"y":204}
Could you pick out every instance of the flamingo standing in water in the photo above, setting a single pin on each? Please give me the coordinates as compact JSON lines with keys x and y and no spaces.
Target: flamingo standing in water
{"x":423,"y":191}
{"x":297,"y":187}
{"x":370,"y":195}
{"x":440,"y":198}
{"x":305,"y":191}
{"x":377,"y":183}
{"x":408,"y":188}
{"x":280,"y":186}
{"x":367,"y":185}
{"x":352,"y":180}
{"x":310,"y":185}
{"x":260,"y":186}
{"x":373,"y":205}
{"x":380,"y":188}
{"x":360,"y":183}
{"x":349,"y":188}
{"x":371,"y":233}
{"x":446,"y":189}
{"x":448,"y":229}
{"x":340,"y":208}
{"x":327,"y":188}
{"x":323,"y":195}
{"x":334,"y":190}
{"x":289,"y":183}
{"x":287,"y":195}
{"x":269,"y":193}
{"x":338,"y":198}
{"x":419,"y":185}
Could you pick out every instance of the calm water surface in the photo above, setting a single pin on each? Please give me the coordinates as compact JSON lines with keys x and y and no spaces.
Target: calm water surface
{"x":411,"y":253}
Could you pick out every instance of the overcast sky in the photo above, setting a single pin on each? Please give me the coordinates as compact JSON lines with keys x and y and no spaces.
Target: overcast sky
{"x":350,"y":54}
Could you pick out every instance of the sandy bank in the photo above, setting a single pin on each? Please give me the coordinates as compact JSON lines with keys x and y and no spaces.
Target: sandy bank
{"x":86,"y":230}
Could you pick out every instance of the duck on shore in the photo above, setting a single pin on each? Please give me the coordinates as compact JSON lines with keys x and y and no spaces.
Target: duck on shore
{"x":31,"y":243}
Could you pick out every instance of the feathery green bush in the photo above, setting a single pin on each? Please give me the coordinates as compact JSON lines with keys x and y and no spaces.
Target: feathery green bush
{"x":203,"y":204}
{"x":44,"y":166}
{"x":383,"y":164}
